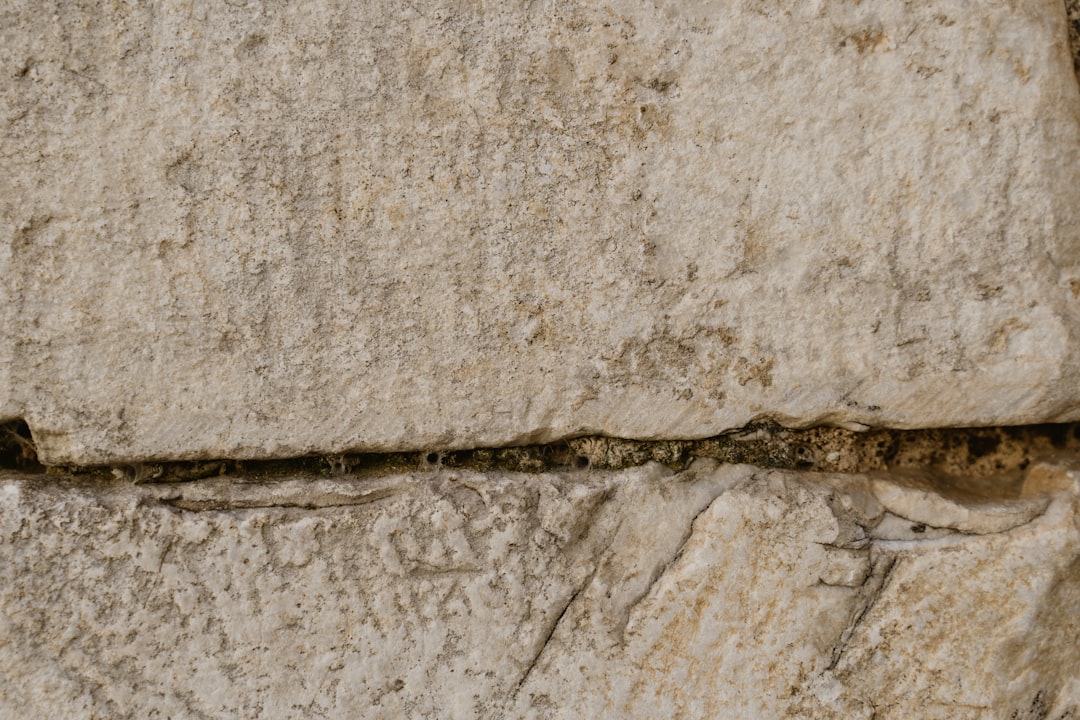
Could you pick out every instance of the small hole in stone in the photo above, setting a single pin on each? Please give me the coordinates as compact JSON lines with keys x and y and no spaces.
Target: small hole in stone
{"x":581,"y":461}
{"x":1058,"y":435}
{"x":918,"y":528}
{"x":17,"y":449}
{"x":433,"y":458}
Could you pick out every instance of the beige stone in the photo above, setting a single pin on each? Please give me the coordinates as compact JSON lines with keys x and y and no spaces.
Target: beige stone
{"x":719,"y":592}
{"x":258,"y":229}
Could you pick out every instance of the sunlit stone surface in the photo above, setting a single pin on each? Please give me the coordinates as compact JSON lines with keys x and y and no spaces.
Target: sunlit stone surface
{"x":720,"y":592}
{"x":260,"y":229}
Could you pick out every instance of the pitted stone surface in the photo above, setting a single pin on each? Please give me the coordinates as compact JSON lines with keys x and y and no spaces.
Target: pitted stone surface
{"x":257,"y":229}
{"x":719,"y":592}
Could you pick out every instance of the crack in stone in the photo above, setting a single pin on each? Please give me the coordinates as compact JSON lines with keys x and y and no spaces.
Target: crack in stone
{"x":629,"y":610}
{"x":875,"y":586}
{"x":318,"y":502}
{"x":550,"y":634}
{"x":925,"y":527}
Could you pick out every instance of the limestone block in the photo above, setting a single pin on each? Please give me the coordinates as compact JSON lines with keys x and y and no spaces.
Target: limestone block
{"x":254,"y":228}
{"x":719,"y":592}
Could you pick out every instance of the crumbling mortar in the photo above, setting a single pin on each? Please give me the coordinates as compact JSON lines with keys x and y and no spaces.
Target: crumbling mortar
{"x":949,"y":452}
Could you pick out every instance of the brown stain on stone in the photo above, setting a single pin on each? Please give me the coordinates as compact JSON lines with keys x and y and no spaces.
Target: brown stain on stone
{"x":866,"y":40}
{"x":759,"y":371}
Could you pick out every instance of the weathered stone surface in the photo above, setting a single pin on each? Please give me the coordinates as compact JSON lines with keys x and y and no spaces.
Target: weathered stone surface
{"x":721,"y":592}
{"x":258,"y":229}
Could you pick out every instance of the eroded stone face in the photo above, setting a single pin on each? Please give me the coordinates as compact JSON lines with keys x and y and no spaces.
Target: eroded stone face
{"x":251,"y":229}
{"x":723,"y":591}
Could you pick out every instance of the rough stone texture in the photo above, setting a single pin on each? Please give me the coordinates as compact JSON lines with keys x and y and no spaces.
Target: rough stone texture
{"x":720,"y":592}
{"x":251,"y":228}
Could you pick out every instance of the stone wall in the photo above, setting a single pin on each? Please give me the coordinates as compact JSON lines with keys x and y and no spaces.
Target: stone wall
{"x":694,"y":359}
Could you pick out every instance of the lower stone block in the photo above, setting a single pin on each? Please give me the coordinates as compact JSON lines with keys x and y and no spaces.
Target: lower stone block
{"x":718,"y":592}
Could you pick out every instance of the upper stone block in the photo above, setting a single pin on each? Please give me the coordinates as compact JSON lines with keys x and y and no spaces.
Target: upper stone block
{"x":259,"y":228}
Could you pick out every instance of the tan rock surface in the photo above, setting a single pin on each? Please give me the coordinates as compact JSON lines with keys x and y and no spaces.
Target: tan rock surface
{"x":720,"y":592}
{"x":252,"y":229}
